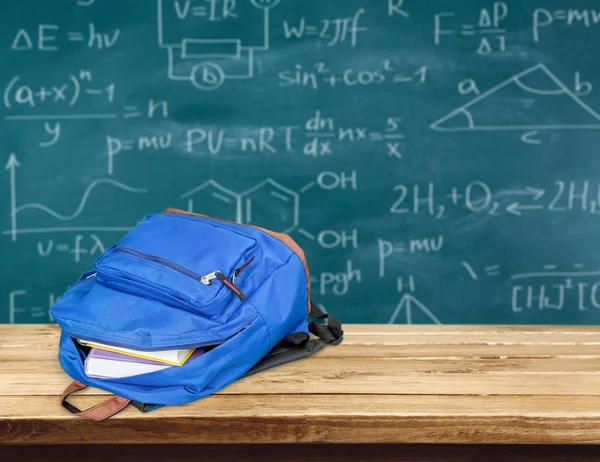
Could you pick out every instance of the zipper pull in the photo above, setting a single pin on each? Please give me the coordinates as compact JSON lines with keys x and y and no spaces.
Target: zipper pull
{"x":207,"y":278}
{"x":238,"y":270}
{"x":221,"y":277}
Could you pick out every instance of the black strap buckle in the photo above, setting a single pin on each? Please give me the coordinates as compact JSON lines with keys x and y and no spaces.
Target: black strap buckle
{"x":330,"y":332}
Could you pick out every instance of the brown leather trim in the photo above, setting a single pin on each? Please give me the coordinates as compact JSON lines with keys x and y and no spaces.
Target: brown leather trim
{"x":284,"y":238}
{"x":100,"y":411}
{"x":72,"y":388}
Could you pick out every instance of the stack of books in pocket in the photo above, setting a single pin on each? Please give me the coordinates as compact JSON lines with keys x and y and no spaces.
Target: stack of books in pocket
{"x":110,"y":362}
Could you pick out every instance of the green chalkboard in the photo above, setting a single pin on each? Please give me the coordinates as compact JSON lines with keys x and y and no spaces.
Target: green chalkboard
{"x":438,"y":161}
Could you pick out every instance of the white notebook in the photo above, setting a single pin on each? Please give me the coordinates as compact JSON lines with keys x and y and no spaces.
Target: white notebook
{"x":105,"y":364}
{"x":171,"y":357}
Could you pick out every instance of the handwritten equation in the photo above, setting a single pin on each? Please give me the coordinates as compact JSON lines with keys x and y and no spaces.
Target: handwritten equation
{"x":441,"y":156}
{"x":478,"y":197}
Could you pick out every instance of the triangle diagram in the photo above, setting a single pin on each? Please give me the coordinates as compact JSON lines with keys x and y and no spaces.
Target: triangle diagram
{"x":534,"y":99}
{"x":409,"y":310}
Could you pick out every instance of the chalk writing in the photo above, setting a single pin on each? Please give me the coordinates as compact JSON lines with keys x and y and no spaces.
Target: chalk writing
{"x":436,"y":162}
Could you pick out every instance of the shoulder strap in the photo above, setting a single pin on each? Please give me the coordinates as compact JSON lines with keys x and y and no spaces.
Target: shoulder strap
{"x":98,"y":412}
{"x":300,"y":345}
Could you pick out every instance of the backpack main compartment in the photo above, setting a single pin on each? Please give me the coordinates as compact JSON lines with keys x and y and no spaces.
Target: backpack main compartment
{"x":145,"y":293}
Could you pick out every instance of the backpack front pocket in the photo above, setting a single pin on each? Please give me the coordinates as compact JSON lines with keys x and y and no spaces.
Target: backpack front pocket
{"x":179,"y":260}
{"x":93,"y":311}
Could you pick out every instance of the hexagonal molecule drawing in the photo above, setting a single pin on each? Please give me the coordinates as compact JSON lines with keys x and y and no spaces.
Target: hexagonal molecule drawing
{"x":212,"y":199}
{"x":271,"y":205}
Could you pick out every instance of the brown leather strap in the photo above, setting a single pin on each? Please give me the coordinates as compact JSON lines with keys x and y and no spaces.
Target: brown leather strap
{"x":100,"y":411}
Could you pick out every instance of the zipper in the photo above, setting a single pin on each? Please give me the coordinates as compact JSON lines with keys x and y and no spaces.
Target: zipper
{"x":123,"y":345}
{"x":210,"y":342}
{"x":206,"y":279}
{"x":240,"y":269}
{"x":162,"y":261}
{"x":270,"y":233}
{"x":85,"y":280}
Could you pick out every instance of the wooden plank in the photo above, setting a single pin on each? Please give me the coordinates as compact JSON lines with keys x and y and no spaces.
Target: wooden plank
{"x":419,"y":329}
{"x":295,"y":406}
{"x":41,"y":334}
{"x":385,"y":350}
{"x":267,"y":419}
{"x":364,"y":376}
{"x":350,"y":349}
{"x":424,"y":329}
{"x":437,"y":353}
{"x":402,"y":351}
{"x":32,"y":334}
{"x":320,"y":365}
{"x":358,"y":383}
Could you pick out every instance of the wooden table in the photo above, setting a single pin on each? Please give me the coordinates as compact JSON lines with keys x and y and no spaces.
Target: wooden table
{"x":432,"y":392}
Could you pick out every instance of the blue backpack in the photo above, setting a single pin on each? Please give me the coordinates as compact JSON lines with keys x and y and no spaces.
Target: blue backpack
{"x":180,"y":280}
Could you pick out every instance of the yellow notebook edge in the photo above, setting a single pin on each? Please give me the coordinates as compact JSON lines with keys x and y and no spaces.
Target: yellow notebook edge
{"x":149,"y":358}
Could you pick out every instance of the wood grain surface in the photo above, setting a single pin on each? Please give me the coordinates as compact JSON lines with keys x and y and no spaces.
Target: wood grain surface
{"x":384,"y":384}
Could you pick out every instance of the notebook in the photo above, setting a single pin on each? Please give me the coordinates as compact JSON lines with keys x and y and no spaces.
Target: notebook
{"x":103,"y":364}
{"x":171,"y":357}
